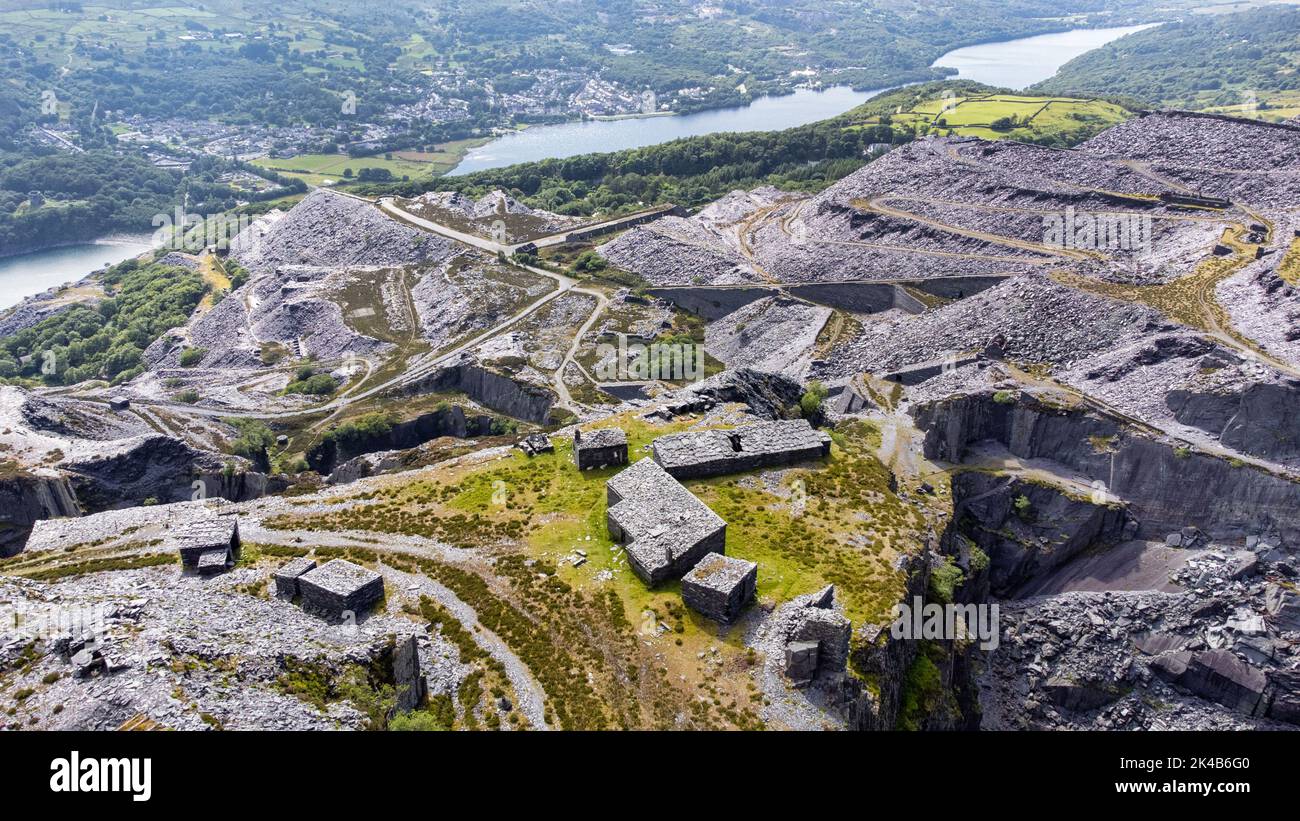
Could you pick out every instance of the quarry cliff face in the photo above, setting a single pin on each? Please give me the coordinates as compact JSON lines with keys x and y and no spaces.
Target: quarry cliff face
{"x":1166,"y":486}
{"x":27,"y":497}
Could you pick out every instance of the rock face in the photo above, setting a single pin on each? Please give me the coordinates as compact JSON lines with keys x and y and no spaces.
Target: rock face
{"x":513,"y":397}
{"x":1225,"y":501}
{"x":28,"y":497}
{"x":768,"y":395}
{"x":411,"y":685}
{"x":451,"y":421}
{"x":158,"y":468}
{"x":1216,"y":675}
{"x":1027,"y":529}
{"x":1261,"y":420}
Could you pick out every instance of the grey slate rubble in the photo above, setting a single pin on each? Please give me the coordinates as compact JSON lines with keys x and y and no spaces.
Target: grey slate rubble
{"x":697,"y":454}
{"x":536,"y":443}
{"x":720,"y":586}
{"x":601,"y":448}
{"x":664,"y":528}
{"x":339,"y":588}
{"x":286,"y":578}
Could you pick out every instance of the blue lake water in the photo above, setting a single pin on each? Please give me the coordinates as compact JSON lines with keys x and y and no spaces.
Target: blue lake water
{"x":27,"y":274}
{"x":1020,"y":63}
{"x":1012,"y":64}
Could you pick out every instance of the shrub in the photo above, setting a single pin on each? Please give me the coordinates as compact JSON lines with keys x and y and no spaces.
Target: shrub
{"x":811,"y":401}
{"x":192,"y":356}
{"x":319,"y":385}
{"x":944,"y":580}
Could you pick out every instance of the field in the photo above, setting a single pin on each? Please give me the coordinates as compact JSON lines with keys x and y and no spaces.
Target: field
{"x":1274,"y":107}
{"x":1002,"y":116}
{"x":328,"y":169}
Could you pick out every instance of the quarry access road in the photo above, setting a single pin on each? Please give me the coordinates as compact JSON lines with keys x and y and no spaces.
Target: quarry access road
{"x":566,"y":284}
{"x":421,"y":366}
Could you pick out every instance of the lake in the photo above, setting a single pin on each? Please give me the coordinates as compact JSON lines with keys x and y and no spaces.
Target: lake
{"x":1020,"y":63}
{"x":1013,"y":64}
{"x":570,"y":139}
{"x":27,"y":274}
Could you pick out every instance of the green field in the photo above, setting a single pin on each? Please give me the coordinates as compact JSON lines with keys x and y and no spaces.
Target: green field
{"x":328,"y":169}
{"x":1274,"y":107}
{"x":1001,"y":116}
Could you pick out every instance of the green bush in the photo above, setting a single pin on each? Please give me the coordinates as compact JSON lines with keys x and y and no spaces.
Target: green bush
{"x":319,"y":385}
{"x":107,"y":341}
{"x":810,"y":404}
{"x":192,"y":356}
{"x":944,"y":580}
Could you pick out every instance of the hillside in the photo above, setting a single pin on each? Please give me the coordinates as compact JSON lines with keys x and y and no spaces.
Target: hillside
{"x":698,"y":170}
{"x":1231,"y":63}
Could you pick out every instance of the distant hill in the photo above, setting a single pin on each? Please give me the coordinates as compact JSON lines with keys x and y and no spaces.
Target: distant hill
{"x":966,"y":109}
{"x":1245,"y":63}
{"x":697,"y":170}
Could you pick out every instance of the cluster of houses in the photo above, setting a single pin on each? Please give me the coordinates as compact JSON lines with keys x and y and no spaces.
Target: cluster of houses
{"x":666,"y":532}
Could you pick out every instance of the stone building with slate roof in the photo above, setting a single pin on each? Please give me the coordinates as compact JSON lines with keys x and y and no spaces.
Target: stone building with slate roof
{"x":664,"y":529}
{"x":207,"y":544}
{"x":286,"y":578}
{"x":339,"y":587}
{"x":720,"y":586}
{"x":696,"y":454}
{"x":599,"y":448}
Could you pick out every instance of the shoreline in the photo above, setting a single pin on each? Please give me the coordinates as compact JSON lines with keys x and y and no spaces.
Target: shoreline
{"x":107,"y":239}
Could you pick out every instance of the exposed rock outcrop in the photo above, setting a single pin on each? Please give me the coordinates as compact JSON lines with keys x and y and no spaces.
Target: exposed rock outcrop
{"x":26,"y":497}
{"x":1166,"y":487}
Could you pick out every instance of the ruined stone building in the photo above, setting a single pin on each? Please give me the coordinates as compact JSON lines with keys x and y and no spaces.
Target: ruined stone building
{"x":599,"y":448}
{"x":816,"y":636}
{"x":339,"y":587}
{"x":207,"y":544}
{"x":696,"y":454}
{"x":664,"y":529}
{"x":720,"y":586}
